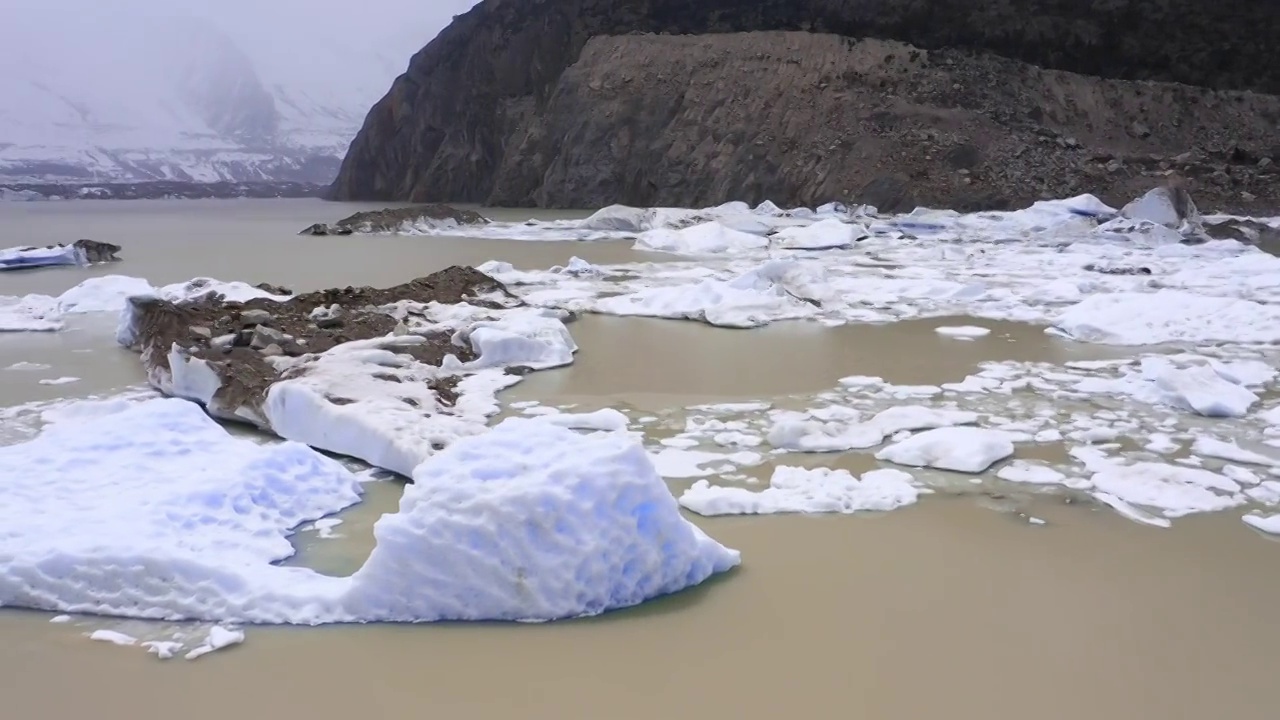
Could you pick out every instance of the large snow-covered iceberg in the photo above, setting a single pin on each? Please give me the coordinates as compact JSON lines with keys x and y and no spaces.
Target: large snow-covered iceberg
{"x":157,"y":512}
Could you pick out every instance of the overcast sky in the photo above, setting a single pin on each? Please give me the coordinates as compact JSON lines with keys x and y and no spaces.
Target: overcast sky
{"x":318,"y":43}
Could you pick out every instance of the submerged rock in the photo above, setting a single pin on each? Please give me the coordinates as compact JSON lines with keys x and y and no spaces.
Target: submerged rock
{"x":390,"y":220}
{"x":378,"y":374}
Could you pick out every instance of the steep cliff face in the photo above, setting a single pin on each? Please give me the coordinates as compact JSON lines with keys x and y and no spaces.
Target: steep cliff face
{"x":701,"y":120}
{"x":483,"y":114}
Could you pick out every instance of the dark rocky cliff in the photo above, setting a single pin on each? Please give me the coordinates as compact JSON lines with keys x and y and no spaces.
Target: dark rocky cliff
{"x":506,"y":106}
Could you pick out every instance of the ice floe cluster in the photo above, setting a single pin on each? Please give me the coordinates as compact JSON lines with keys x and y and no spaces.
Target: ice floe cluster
{"x":145,"y":508}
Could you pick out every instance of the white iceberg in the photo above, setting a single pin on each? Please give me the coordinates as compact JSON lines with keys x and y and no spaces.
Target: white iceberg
{"x":157,"y":512}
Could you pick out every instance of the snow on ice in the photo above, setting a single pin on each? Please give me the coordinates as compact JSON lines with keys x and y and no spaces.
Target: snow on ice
{"x":161,"y":514}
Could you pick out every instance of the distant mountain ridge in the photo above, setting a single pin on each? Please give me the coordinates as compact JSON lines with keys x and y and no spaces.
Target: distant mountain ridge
{"x":180,"y":98}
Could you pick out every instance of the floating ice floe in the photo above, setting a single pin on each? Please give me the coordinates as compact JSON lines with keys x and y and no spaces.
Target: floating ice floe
{"x":1166,"y":316}
{"x":1170,"y":490}
{"x":161,"y":514}
{"x":1269,"y":524}
{"x":829,"y":234}
{"x":959,"y":449}
{"x":802,"y":490}
{"x":963,"y":332}
{"x":813,"y":432}
{"x":1210,"y":389}
{"x":776,"y":290}
{"x":711,"y":238}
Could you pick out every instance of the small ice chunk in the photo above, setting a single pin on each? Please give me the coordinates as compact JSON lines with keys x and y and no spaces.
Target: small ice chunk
{"x":113,"y":637}
{"x":324,"y":527}
{"x":858,"y":381}
{"x":1023,"y":471}
{"x":28,"y":366}
{"x":960,"y":449}
{"x":1162,"y":444}
{"x":1269,"y":524}
{"x":829,"y":234}
{"x":676,"y":463}
{"x":217,"y":639}
{"x":1267,"y":492}
{"x":917,"y":417}
{"x":712,"y":238}
{"x":59,"y":619}
{"x":59,"y":380}
{"x":792,"y":433}
{"x":1206,"y":392}
{"x":163,"y":649}
{"x":1231,"y":452}
{"x":963,"y":332}
{"x":1241,"y":475}
{"x":1130,"y":511}
{"x":1176,"y":491}
{"x":804,"y":490}
{"x":608,"y":420}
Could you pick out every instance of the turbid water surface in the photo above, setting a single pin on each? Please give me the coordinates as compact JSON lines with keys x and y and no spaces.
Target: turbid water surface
{"x":955,"y":607}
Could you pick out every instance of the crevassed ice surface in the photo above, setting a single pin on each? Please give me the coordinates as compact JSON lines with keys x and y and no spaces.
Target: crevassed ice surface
{"x":152,"y":510}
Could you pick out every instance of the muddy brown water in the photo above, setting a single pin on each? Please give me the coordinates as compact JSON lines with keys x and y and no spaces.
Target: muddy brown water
{"x":943,"y":609}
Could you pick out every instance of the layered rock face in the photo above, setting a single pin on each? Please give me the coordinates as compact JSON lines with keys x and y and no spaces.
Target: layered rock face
{"x":514,"y":101}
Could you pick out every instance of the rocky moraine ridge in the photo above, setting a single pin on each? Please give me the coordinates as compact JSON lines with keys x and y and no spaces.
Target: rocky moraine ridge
{"x":959,"y":103}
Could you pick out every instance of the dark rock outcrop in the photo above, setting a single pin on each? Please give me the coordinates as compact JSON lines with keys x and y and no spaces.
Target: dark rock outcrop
{"x":511,"y":103}
{"x":395,"y":219}
{"x":97,"y":252}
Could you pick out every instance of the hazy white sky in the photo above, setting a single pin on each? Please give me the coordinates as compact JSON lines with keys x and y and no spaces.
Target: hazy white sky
{"x":280,"y":33}
{"x":108,"y":64}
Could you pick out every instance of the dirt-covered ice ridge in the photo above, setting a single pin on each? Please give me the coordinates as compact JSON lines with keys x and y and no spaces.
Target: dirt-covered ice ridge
{"x":161,"y":514}
{"x":108,"y":294}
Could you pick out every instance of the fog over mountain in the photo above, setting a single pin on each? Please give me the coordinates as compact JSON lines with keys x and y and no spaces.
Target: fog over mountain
{"x":198,"y":90}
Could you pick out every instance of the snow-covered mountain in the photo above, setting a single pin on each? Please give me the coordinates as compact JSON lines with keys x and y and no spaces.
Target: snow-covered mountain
{"x":198,"y":90}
